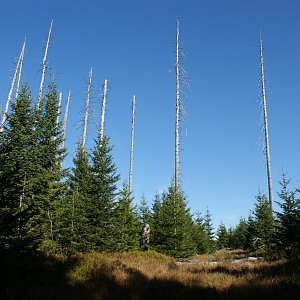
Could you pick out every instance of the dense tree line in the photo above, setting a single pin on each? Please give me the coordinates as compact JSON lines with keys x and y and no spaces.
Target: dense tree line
{"x":273,"y":233}
{"x":44,"y":207}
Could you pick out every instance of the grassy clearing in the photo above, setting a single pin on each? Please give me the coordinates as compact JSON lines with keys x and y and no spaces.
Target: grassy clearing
{"x":147,"y":275}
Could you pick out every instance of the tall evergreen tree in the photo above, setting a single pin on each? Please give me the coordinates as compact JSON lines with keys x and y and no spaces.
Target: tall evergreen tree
{"x":287,"y":238}
{"x":222,"y":237}
{"x":262,"y":227}
{"x":209,"y":230}
{"x":18,"y":171}
{"x":49,"y":155}
{"x":104,"y":191}
{"x":156,"y":237}
{"x":126,"y":231}
{"x":203,"y":244}
{"x":144,"y":212}
{"x":75,"y":229}
{"x":239,"y":236}
{"x":179,"y":243}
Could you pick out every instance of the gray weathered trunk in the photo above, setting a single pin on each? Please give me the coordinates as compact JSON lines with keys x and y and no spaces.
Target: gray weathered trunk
{"x":20,"y":70}
{"x":266,"y":128}
{"x":103,"y":110}
{"x":11,"y":89}
{"x":132,"y":144}
{"x":64,"y":126}
{"x":44,"y":65}
{"x":177,"y":118}
{"x":87,"y":104}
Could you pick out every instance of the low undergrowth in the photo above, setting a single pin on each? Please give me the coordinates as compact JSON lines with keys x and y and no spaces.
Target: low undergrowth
{"x":147,"y":275}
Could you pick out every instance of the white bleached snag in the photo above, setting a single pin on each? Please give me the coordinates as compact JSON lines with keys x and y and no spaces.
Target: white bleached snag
{"x":64,"y":126}
{"x":44,"y":65}
{"x":103,"y":110}
{"x":177,"y":118}
{"x":20,"y":69}
{"x":266,"y":128}
{"x":59,"y":107}
{"x":11,"y":89}
{"x":132,"y":144}
{"x":87,"y":104}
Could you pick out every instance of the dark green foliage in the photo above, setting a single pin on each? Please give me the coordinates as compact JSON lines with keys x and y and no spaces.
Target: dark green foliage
{"x":203,"y":244}
{"x":261,"y":224}
{"x":126,"y":231}
{"x":209,"y":230}
{"x":238,"y":237}
{"x":144,"y":212}
{"x":156,"y":237}
{"x":222,"y":237}
{"x":49,"y":155}
{"x":19,"y":209}
{"x":174,"y":226}
{"x":100,"y":210}
{"x":75,"y":230}
{"x":287,"y":237}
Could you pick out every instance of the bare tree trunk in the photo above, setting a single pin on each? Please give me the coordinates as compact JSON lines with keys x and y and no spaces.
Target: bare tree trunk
{"x":20,"y":69}
{"x":11,"y":89}
{"x":103,"y":110}
{"x":87,"y":104}
{"x":177,"y":119}
{"x":266,"y":129}
{"x":64,"y":126}
{"x":44,"y":65}
{"x":59,"y":108}
{"x":132,"y":144}
{"x":177,"y":135}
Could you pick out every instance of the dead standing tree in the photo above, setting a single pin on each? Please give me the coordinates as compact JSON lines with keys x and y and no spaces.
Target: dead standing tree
{"x":20,"y":70}
{"x":44,"y":65}
{"x":132,"y":144}
{"x":263,"y":103}
{"x":101,"y":132}
{"x":21,"y":56}
{"x":87,"y":104}
{"x":177,"y":118}
{"x":64,"y":126}
{"x":181,"y":79}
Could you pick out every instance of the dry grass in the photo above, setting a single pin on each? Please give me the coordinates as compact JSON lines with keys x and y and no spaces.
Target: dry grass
{"x":151,"y":275}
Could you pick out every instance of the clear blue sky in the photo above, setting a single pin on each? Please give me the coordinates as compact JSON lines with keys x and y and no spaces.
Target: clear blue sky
{"x":132,"y":44}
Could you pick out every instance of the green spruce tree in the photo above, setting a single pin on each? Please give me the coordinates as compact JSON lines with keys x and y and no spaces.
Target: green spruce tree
{"x":222,"y":237}
{"x":209,"y":230}
{"x":75,"y":229}
{"x":263,"y":225}
{"x":176,"y":235}
{"x":126,"y":231}
{"x":102,"y":202}
{"x":287,"y":237}
{"x":201,"y":238}
{"x":143,"y":212}
{"x":49,"y":154}
{"x":18,"y":176}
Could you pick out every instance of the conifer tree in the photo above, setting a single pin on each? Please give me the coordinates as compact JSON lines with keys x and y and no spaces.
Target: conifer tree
{"x":126,"y":229}
{"x":157,"y":223}
{"x":75,"y":224}
{"x":144,"y":213}
{"x":263,"y":224}
{"x":17,"y":177}
{"x":208,"y":227}
{"x":182,"y":243}
{"x":104,"y":191}
{"x":238,"y":239}
{"x":222,"y":237}
{"x":287,"y":237}
{"x":49,"y":155}
{"x":201,"y":238}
